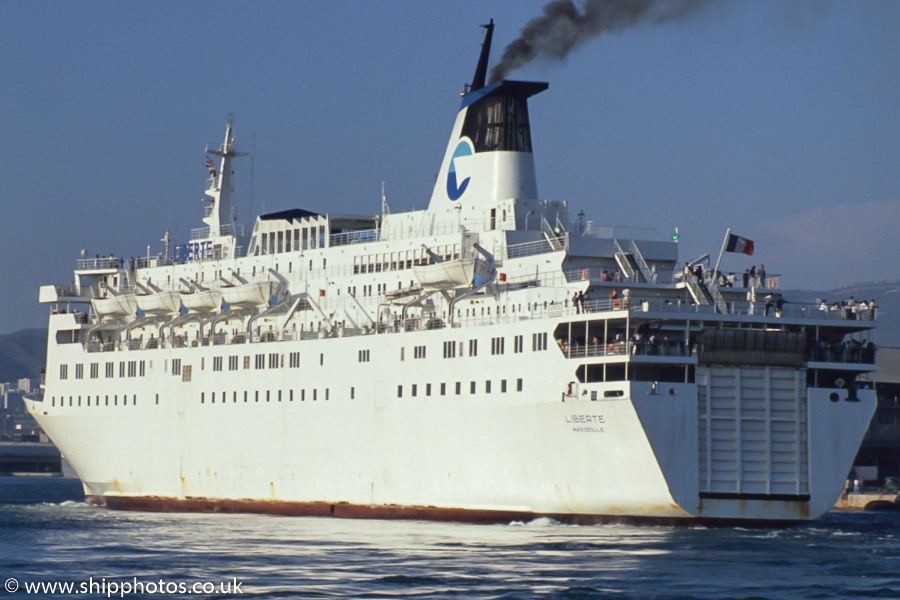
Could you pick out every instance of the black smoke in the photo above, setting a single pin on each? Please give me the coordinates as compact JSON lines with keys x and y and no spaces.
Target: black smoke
{"x":564,"y":26}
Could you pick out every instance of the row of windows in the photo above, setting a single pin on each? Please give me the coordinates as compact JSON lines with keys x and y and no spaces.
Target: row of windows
{"x":275,"y":360}
{"x":405,"y":259}
{"x":131,"y":368}
{"x":306,"y":238}
{"x":234,"y":396}
{"x":458,"y":387}
{"x":96,"y":401}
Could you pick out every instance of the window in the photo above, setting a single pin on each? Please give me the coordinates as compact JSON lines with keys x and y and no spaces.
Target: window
{"x":419,"y":352}
{"x":295,"y":360}
{"x":186,"y":373}
{"x":141,"y":368}
{"x":122,"y":369}
{"x":79,"y":371}
{"x":427,"y":389}
{"x":232,"y":363}
{"x":399,"y":391}
{"x":260,"y":361}
{"x":458,"y":388}
{"x":443,"y":389}
{"x":472,"y":387}
{"x":132,"y":368}
{"x":518,"y":385}
{"x":518,"y":344}
{"x":473,"y":347}
{"x":487,"y":386}
{"x":449,"y":349}
{"x":498,"y":345}
{"x":273,"y":360}
{"x":363,"y":356}
{"x":95,"y":370}
{"x":110,"y":370}
{"x":414,"y":389}
{"x":247,"y":362}
{"x":217,"y":363}
{"x":539,"y":341}
{"x":176,"y":366}
{"x":502,"y":386}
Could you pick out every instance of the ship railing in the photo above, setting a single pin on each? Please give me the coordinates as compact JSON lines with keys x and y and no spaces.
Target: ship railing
{"x":625,"y":348}
{"x":109,"y":262}
{"x":590,"y":229}
{"x":843,"y":353}
{"x":542,"y":246}
{"x":362,"y":236}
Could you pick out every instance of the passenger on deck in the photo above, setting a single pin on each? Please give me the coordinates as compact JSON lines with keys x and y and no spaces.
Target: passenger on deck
{"x":614,"y":300}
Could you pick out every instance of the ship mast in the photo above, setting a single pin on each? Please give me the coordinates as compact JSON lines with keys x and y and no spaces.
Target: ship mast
{"x":220,"y":185}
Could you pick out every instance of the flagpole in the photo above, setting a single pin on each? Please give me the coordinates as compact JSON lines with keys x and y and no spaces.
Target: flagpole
{"x":721,"y":252}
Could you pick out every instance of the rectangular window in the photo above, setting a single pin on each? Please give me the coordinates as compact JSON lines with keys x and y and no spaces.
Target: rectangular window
{"x":458,"y":388}
{"x":232,"y":363}
{"x":176,"y":366}
{"x":295,"y":360}
{"x":141,"y":369}
{"x":352,"y":393}
{"x":273,"y":361}
{"x":95,"y":370}
{"x":502,"y":386}
{"x":518,"y":385}
{"x":443,"y":389}
{"x":419,"y":352}
{"x":414,"y":389}
{"x":132,"y":368}
{"x":539,"y":341}
{"x":122,"y":369}
{"x":498,"y":345}
{"x":518,"y":344}
{"x":472,"y":387}
{"x":427,"y":389}
{"x":79,"y":371}
{"x":399,"y":391}
{"x":363,"y":356}
{"x":487,"y":387}
{"x":110,"y":370}
{"x":247,"y":362}
{"x":473,"y":347}
{"x":260,"y":361}
{"x":186,"y":373}
{"x":217,"y":363}
{"x":449,"y":349}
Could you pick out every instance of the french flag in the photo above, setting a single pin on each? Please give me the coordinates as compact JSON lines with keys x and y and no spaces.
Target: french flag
{"x":736,"y":243}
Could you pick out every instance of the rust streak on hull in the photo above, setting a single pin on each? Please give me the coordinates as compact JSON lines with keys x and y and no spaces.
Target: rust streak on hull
{"x":424,"y":513}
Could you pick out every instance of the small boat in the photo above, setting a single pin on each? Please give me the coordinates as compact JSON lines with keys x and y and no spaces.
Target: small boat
{"x":248,"y":295}
{"x":449,"y":274}
{"x":202,"y":300}
{"x":159,"y":303}
{"x":113,"y":305}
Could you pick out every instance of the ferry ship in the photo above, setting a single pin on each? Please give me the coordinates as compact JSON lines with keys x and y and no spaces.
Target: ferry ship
{"x":487,"y":358}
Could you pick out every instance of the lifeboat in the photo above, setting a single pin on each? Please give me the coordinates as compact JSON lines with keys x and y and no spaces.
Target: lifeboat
{"x":248,"y":295}
{"x":202,"y":300}
{"x":123,"y":305}
{"x":446,"y":275}
{"x":159,"y":303}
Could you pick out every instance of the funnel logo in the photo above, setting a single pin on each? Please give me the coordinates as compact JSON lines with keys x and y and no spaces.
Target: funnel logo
{"x":454,"y":191}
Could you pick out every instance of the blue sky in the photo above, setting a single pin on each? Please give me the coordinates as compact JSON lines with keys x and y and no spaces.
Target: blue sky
{"x":779,"y":119}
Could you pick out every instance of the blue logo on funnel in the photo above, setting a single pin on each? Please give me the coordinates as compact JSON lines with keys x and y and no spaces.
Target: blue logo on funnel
{"x":454,"y":192}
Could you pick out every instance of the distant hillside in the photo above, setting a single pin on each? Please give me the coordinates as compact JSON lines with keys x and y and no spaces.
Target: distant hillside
{"x":22,"y":354}
{"x":885,"y":293}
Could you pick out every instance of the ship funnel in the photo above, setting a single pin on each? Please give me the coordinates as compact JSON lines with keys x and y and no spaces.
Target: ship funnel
{"x":488,"y":165}
{"x":481,"y":69}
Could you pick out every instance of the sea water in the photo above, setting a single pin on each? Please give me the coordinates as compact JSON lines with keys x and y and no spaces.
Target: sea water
{"x":50,"y":537}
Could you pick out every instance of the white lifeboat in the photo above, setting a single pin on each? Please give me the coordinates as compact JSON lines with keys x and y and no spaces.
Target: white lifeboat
{"x":159,"y":303}
{"x":123,"y":305}
{"x":248,"y":295}
{"x":448,"y":274}
{"x":202,"y":300}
